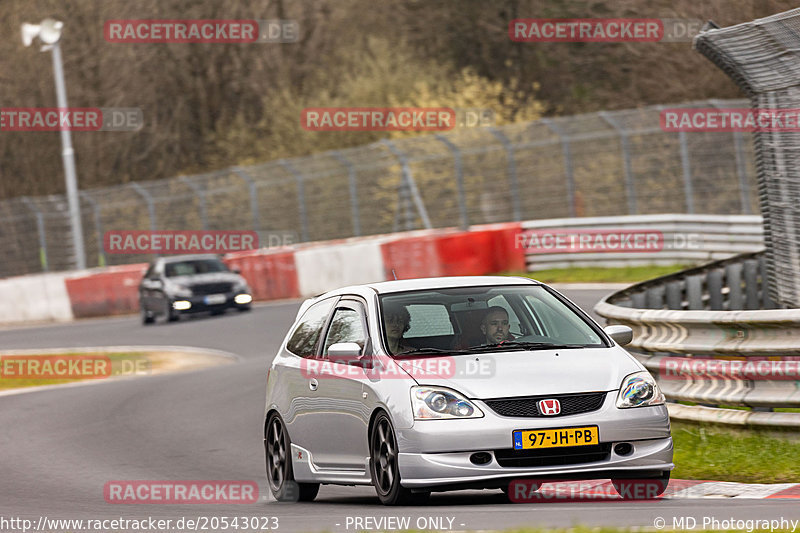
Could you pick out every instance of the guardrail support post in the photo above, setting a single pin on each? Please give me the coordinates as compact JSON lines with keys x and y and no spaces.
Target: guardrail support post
{"x":694,"y":292}
{"x":459,"y":172}
{"x":568,"y":174}
{"x":512,"y":172}
{"x":101,"y":253}
{"x":675,"y":295}
{"x":714,"y":284}
{"x":751,"y":284}
{"x":301,"y":198}
{"x":201,"y":198}
{"x":733,"y":279}
{"x":630,"y":187}
{"x":40,"y":230}
{"x":351,"y":182}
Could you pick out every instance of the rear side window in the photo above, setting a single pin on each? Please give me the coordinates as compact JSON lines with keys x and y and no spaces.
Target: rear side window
{"x":305,"y":336}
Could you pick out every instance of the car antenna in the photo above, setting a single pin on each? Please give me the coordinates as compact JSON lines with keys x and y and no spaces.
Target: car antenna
{"x":395,"y":275}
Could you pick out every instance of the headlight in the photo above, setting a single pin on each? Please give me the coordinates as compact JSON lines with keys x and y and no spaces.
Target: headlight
{"x":437,"y":402}
{"x":182,"y":291}
{"x":639,"y":390}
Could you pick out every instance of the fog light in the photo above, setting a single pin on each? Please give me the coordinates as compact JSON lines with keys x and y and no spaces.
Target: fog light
{"x":623,"y":448}
{"x":480,"y":458}
{"x":242,"y":299}
{"x":181,"y":305}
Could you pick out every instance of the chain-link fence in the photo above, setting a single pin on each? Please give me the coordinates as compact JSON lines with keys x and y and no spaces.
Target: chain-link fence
{"x":608,"y":163}
{"x":763,"y":58}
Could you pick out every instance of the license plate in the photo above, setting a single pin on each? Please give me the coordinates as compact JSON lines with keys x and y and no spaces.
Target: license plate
{"x":555,"y":438}
{"x":214,"y":299}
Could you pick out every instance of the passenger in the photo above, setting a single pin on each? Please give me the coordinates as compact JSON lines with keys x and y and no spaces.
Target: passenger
{"x":495,"y":326}
{"x":398,"y":321}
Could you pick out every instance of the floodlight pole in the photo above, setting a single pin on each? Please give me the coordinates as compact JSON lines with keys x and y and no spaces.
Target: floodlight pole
{"x":68,"y":155}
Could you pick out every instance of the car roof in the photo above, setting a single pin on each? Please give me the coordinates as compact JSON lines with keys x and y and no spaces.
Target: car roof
{"x":188,"y":257}
{"x":402,"y":285}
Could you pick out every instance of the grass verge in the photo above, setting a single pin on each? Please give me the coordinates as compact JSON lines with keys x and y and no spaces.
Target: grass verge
{"x":743,"y":455}
{"x":632,"y":274}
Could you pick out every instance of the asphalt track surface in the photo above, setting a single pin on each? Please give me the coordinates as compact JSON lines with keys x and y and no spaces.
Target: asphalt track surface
{"x":59,"y":447}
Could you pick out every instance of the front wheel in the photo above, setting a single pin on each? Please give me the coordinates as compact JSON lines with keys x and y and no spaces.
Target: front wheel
{"x":279,"y":465}
{"x":384,"y":468}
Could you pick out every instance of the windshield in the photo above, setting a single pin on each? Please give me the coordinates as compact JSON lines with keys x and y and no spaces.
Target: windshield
{"x":194,"y":266}
{"x":481,"y":319}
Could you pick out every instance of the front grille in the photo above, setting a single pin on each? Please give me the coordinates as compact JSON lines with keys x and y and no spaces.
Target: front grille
{"x":571,"y":404}
{"x":211,"y":288}
{"x":553,"y":456}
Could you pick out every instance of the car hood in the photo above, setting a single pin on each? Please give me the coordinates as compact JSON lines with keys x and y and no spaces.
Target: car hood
{"x":532,"y":373}
{"x":211,"y":277}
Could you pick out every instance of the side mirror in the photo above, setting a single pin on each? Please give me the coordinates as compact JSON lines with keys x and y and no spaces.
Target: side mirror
{"x":236,"y":270}
{"x":344,"y":350}
{"x":622,"y":335}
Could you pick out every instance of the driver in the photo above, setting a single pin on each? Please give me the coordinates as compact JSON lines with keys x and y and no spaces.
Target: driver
{"x":495,"y":326}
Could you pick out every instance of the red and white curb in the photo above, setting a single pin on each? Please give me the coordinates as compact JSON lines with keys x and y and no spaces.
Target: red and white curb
{"x":677,"y":489}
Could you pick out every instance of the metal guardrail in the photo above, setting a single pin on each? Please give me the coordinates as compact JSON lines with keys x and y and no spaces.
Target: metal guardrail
{"x":685,"y":239}
{"x":711,"y":315}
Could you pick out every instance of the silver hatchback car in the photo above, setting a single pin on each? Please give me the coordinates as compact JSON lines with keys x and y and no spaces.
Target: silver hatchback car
{"x":439,"y":384}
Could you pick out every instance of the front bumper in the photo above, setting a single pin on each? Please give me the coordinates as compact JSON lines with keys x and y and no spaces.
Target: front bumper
{"x":436,"y":453}
{"x":199,"y":304}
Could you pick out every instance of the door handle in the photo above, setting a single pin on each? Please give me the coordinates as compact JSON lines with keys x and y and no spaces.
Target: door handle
{"x":313,"y":384}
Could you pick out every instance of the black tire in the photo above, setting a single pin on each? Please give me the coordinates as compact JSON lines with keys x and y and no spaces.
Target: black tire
{"x":243,"y":309}
{"x":280,"y":477}
{"x":645,"y":487}
{"x":170,"y":313}
{"x":147,"y":316}
{"x":384,"y":468}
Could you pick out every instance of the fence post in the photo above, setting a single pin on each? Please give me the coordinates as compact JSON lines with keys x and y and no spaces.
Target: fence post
{"x":201,"y":197}
{"x":512,"y":172}
{"x":40,"y":230}
{"x":565,"y":147}
{"x":409,"y":181}
{"x":741,"y":169}
{"x":630,"y":187}
{"x":251,"y":185}
{"x":351,"y":182}
{"x":148,"y":199}
{"x":458,"y":168}
{"x":101,"y":253}
{"x":301,"y":198}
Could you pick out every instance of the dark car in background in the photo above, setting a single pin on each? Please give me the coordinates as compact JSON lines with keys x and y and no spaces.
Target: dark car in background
{"x":191,"y":284}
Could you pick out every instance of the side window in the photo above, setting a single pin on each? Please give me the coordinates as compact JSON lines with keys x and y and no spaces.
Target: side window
{"x":306,"y":334}
{"x":347,"y":326}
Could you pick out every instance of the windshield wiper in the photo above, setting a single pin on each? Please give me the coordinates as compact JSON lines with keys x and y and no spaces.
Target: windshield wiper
{"x":523,"y":346}
{"x":429,"y":351}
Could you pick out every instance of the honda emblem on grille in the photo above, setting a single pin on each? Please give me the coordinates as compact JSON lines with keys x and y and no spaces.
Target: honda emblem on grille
{"x":549,"y":407}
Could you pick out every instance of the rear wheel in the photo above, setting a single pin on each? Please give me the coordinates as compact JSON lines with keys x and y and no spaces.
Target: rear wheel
{"x":279,"y":465}
{"x":384,"y":467}
{"x":642,"y":488}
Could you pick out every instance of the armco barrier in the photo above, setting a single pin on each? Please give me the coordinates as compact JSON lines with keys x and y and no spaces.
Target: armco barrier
{"x":686,"y":239}
{"x":683,"y":324}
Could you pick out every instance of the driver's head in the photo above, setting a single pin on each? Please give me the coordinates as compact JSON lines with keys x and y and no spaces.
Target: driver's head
{"x":495,"y":325}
